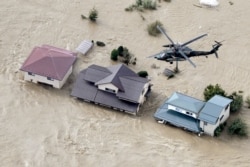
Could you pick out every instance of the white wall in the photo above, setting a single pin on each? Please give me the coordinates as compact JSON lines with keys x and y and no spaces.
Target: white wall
{"x":109,"y":86}
{"x":209,"y":128}
{"x":112,"y":87}
{"x":61,"y":83}
{"x":180,"y":110}
{"x":55,"y":83}
{"x":226,"y":113}
{"x":142,"y":96}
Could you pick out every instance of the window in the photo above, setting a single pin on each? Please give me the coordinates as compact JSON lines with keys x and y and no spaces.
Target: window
{"x":205,"y":123}
{"x":30,"y":73}
{"x":226,"y":107}
{"x":110,"y":90}
{"x":221,"y":117}
{"x":189,"y":113}
{"x":51,"y":79}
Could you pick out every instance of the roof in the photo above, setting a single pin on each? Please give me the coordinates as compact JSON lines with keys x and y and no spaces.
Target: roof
{"x":177,"y":119}
{"x":132,"y":87}
{"x":129,"y":83}
{"x":185,"y":102}
{"x":213,"y":108}
{"x":220,"y":100}
{"x":209,"y":2}
{"x":116,"y":72}
{"x":85,"y":46}
{"x":49,"y":61}
{"x":96,"y":73}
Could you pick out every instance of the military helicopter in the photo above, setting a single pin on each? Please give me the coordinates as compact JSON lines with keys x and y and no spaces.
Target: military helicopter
{"x":180,"y":52}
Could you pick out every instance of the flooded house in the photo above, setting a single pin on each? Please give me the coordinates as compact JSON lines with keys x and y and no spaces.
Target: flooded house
{"x":193,"y":114}
{"x":48,"y":65}
{"x":116,"y":87}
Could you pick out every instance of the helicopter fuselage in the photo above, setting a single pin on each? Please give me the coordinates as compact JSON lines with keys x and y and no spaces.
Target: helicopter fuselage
{"x":181,"y":52}
{"x":170,"y":55}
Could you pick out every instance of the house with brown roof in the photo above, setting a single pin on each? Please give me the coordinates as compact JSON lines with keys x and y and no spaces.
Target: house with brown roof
{"x":49,"y":65}
{"x":117,"y":87}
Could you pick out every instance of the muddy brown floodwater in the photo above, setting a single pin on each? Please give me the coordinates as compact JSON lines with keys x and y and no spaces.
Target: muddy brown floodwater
{"x":45,"y":127}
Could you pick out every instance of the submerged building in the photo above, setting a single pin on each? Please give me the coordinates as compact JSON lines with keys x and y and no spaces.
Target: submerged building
{"x":194,"y":115}
{"x":49,"y":65}
{"x":117,"y":87}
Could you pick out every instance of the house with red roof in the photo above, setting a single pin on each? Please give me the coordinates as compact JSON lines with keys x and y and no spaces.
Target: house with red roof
{"x":116,"y":87}
{"x":49,"y":65}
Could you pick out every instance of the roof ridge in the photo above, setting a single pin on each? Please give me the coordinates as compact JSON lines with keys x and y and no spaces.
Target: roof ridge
{"x":54,"y":64}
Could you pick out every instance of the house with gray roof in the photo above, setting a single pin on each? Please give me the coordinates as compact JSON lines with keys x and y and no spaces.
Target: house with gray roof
{"x":49,"y":65}
{"x":192,"y":114}
{"x":117,"y":87}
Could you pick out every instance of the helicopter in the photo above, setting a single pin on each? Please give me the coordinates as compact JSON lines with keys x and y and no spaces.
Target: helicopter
{"x":181,"y":52}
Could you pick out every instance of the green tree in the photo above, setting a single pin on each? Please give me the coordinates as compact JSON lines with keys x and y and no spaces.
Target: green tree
{"x":143,"y":74}
{"x":114,"y":55}
{"x":152,"y":28}
{"x":248,"y":101}
{"x":236,"y":103}
{"x":120,"y":50}
{"x":93,"y":14}
{"x":149,"y":4}
{"x":219,"y":129}
{"x":238,"y":127}
{"x":212,"y":90}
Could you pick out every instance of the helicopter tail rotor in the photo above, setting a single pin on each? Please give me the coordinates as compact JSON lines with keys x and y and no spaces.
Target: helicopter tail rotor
{"x":216,"y":48}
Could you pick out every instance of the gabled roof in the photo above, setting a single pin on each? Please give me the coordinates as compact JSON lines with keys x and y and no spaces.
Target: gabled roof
{"x":132,"y":87}
{"x":117,"y":71}
{"x":185,"y":102}
{"x":213,"y":108}
{"x":96,"y":73}
{"x":118,"y":75}
{"x":220,"y":100}
{"x":49,"y":61}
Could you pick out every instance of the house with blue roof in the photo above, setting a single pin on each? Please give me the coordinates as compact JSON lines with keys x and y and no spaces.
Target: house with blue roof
{"x":193,"y":114}
{"x":215,"y":112}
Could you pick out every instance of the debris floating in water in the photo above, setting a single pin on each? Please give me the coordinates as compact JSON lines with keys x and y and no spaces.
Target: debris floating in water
{"x":211,"y":3}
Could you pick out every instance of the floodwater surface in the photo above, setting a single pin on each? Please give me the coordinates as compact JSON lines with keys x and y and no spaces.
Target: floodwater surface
{"x":42,"y":127}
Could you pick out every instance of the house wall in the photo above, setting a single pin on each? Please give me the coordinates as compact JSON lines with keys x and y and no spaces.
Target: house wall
{"x":224,"y":115}
{"x":142,"y":97}
{"x":177,"y":109}
{"x":210,"y":128}
{"x":38,"y":78}
{"x":109,"y":86}
{"x":61,"y":83}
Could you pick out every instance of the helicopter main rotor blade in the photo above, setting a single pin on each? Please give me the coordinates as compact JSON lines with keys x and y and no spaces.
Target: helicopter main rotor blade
{"x":169,"y":45}
{"x":163,"y":32}
{"x":183,"y":54}
{"x":157,"y":54}
{"x":188,"y":42}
